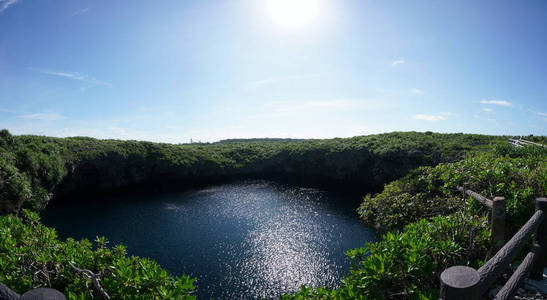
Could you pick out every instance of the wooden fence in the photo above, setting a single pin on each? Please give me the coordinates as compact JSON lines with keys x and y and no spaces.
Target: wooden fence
{"x":518,"y":142}
{"x":497,"y":216}
{"x":460,"y":282}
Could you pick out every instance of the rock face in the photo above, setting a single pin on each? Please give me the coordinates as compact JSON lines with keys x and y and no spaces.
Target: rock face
{"x":357,"y":170}
{"x":73,"y":166}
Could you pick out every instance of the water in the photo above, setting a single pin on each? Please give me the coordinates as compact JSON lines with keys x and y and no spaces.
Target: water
{"x":243,"y":240}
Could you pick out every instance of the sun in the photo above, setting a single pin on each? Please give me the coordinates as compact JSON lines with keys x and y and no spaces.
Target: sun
{"x":294,"y":13}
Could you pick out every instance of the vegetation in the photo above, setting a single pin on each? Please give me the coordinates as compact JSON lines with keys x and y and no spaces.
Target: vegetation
{"x":407,"y":264}
{"x":29,"y":171}
{"x":34,"y":168}
{"x":430,"y":226}
{"x":32,"y":256}
{"x":518,"y":174}
{"x":427,"y":225}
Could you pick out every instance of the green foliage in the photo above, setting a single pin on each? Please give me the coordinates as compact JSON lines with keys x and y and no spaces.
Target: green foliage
{"x":65,"y":165}
{"x":30,"y":168}
{"x":407,"y":264}
{"x":32,"y":256}
{"x":403,"y":201}
{"x":15,"y":187}
{"x":519,"y":175}
{"x":402,"y":264}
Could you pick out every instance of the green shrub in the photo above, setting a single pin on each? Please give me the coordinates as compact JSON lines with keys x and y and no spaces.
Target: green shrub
{"x":32,"y":165}
{"x":15,"y":187}
{"x":520,"y":176}
{"x":32,"y":256}
{"x":415,"y":196}
{"x":407,"y":264}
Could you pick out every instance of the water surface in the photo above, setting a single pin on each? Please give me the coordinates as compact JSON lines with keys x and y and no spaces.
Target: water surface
{"x":243,"y":240}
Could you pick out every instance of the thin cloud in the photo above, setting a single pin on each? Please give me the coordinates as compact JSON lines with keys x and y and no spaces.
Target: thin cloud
{"x":540,"y":113}
{"x":398,"y":62}
{"x":77,"y":76}
{"x":80,"y":12}
{"x":417,"y":91}
{"x":497,"y":102}
{"x":4,"y":4}
{"x":9,"y":111}
{"x":43,"y":117}
{"x":488,"y":110}
{"x":429,"y":117}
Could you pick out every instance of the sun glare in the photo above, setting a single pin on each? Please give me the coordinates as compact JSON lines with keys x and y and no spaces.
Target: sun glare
{"x":293,"y":13}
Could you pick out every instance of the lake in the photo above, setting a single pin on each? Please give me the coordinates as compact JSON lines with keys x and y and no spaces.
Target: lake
{"x":242,"y":240}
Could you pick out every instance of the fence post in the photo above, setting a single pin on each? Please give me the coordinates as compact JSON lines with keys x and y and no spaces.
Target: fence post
{"x":498,"y":223}
{"x":540,"y":239}
{"x":460,"y":282}
{"x":43,"y":293}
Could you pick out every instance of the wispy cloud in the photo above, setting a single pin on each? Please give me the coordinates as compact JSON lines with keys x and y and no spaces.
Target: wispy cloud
{"x":76,"y":76}
{"x":429,"y":117}
{"x":497,"y":102}
{"x":9,"y":111}
{"x":4,"y":4}
{"x":417,"y":91}
{"x":43,"y":117}
{"x":540,"y":113}
{"x":80,"y":11}
{"x":488,"y":110}
{"x":398,"y":62}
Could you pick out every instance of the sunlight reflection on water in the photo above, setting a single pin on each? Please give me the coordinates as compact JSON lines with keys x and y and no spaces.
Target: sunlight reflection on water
{"x":249,"y":239}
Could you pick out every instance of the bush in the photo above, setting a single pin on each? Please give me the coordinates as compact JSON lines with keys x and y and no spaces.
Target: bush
{"x":31,"y":166}
{"x":406,"y":200}
{"x":32,"y":256}
{"x":15,"y":188}
{"x":407,"y":264}
{"x":519,"y":175}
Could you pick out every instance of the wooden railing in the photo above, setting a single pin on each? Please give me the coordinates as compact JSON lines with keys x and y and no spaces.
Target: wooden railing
{"x":497,"y":216}
{"x":460,"y":282}
{"x":518,"y":142}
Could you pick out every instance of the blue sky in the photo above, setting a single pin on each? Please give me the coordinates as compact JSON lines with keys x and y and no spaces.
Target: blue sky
{"x":171,"y":71}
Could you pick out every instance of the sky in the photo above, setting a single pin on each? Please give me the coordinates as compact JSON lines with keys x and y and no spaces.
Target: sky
{"x":176,"y":71}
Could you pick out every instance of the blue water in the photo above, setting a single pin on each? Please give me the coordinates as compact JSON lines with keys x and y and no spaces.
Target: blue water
{"x":243,"y":240}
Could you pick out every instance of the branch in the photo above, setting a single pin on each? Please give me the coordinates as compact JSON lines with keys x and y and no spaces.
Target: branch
{"x":94,"y":278}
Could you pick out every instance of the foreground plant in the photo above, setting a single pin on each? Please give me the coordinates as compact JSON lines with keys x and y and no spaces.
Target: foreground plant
{"x":31,"y":256}
{"x":518,"y":174}
{"x":407,"y":264}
